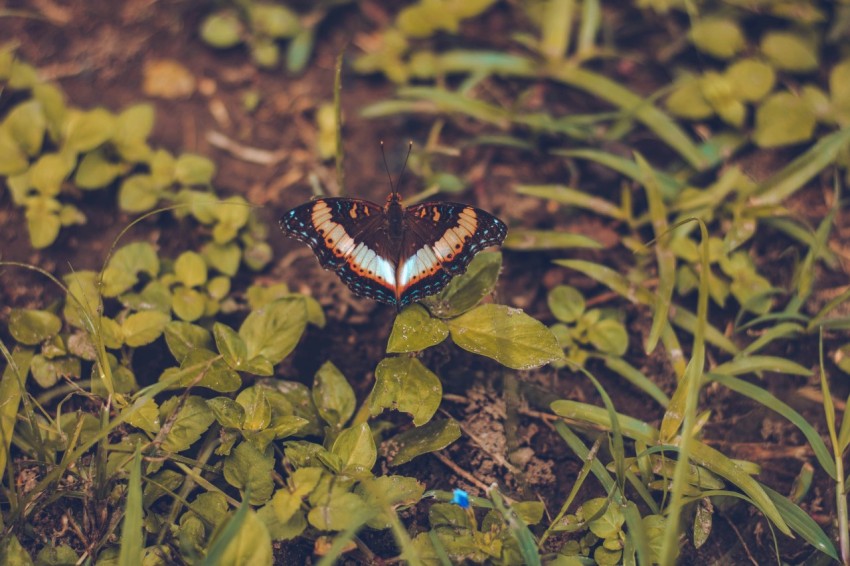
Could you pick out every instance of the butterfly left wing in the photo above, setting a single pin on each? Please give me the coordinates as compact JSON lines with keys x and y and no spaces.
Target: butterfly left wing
{"x":345,"y":234}
{"x":441,"y":238}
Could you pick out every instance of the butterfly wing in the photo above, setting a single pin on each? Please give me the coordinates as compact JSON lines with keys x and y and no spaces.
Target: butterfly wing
{"x":349,"y":237}
{"x":440,"y":240}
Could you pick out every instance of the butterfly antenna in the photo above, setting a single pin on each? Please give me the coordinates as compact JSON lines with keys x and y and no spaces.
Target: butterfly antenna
{"x":387,"y":168}
{"x":403,"y":167}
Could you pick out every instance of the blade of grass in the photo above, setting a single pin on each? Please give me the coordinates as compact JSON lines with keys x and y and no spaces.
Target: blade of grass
{"x":636,"y":378}
{"x":556,"y":28}
{"x":517,"y":527}
{"x":754,"y":364}
{"x":226,"y":535}
{"x":663,"y":255}
{"x":572,"y":197}
{"x":536,"y":240}
{"x":12,"y":386}
{"x":132,"y":533}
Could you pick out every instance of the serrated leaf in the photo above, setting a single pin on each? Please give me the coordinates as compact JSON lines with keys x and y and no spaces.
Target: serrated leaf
{"x":228,"y":412}
{"x":430,"y":437}
{"x":203,"y":368}
{"x":506,"y":335}
{"x":333,"y":396}
{"x":414,"y":330}
{"x":230,"y":345}
{"x":404,"y":384}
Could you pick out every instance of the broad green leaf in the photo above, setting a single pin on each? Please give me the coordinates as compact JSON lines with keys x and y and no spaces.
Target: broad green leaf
{"x":783,"y":119}
{"x":506,"y":335}
{"x":404,"y":384}
{"x":339,"y":512}
{"x":188,"y":304}
{"x":12,"y":553}
{"x":272,"y":20}
{"x":142,"y":328}
{"x":52,"y":101}
{"x":249,"y":470}
{"x":231,"y":214}
{"x":430,"y":437}
{"x":356,"y":448}
{"x":183,"y":337}
{"x":607,"y":523}
{"x":752,"y":79}
{"x":26,"y":124}
{"x":32,"y":327}
{"x":389,"y":493}
{"x":464,"y":292}
{"x":132,"y":127}
{"x":414,"y":330}
{"x":333,"y":396}
{"x":719,"y":37}
{"x":566,"y":303}
{"x":192,"y":420}
{"x":126,"y":263}
{"x":42,"y":221}
{"x":10,"y":392}
{"x":96,"y":171}
{"x":274,"y":330}
{"x":230,"y":345}
{"x":252,"y":544}
{"x":258,"y":409}
{"x":49,"y":171}
{"x":191,"y":169}
{"x":789,"y":51}
{"x":46,"y":372}
{"x":191,"y":269}
{"x":203,"y":368}
{"x":146,"y":417}
{"x":228,"y":412}
{"x":84,"y":131}
{"x":12,"y":160}
{"x":138,"y":193}
{"x":224,"y":259}
{"x":687,"y":100}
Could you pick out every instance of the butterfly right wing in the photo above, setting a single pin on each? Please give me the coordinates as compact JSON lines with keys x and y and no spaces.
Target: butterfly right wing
{"x":347,"y":236}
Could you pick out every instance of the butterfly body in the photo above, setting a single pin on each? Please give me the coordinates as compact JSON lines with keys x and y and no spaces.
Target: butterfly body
{"x":393,"y":254}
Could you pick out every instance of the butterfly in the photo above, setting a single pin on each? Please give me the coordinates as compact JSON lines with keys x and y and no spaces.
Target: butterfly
{"x":393,"y":254}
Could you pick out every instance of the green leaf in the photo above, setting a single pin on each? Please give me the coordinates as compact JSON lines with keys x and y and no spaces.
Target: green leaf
{"x":224,"y":259}
{"x":132,"y":535}
{"x":222,"y":30}
{"x":506,"y":335}
{"x":258,"y":409}
{"x":687,"y":100}
{"x":249,"y":470}
{"x":414,"y":330}
{"x":188,"y":304}
{"x":272,"y":20}
{"x":183,"y":337}
{"x":228,"y":412}
{"x":47,"y":372}
{"x":783,"y":119}
{"x":355,"y":446}
{"x":789,"y":51}
{"x":192,"y":169}
{"x":191,"y":269}
{"x":26,"y":125}
{"x":13,"y":161}
{"x":464,"y":292}
{"x":83,"y":298}
{"x":274,"y":330}
{"x":719,"y":37}
{"x":566,"y":303}
{"x":138,"y":193}
{"x":96,"y":171}
{"x":251,"y":544}
{"x":14,"y":377}
{"x":84,"y":131}
{"x":606,"y":525}
{"x":142,"y":328}
{"x":752,"y":79}
{"x":47,"y":174}
{"x":42,"y":221}
{"x":12,"y":553}
{"x":340,"y":512}
{"x":62,"y":555}
{"x":389,"y":493}
{"x":333,"y":396}
{"x":230,"y":345}
{"x":404,"y":384}
{"x":534,"y":240}
{"x":133,"y":125}
{"x":192,"y":420}
{"x":126,"y":263}
{"x":203,"y":368}
{"x":430,"y":437}
{"x":32,"y":327}
{"x":231,"y":214}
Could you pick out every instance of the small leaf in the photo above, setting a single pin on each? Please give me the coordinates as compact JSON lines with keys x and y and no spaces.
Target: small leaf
{"x":222,"y":30}
{"x":752,"y":79}
{"x":32,"y":327}
{"x":138,"y":193}
{"x":96,"y":171}
{"x":133,"y":126}
{"x":228,"y":412}
{"x":248,"y":469}
{"x":609,"y":336}
{"x":191,"y":269}
{"x":13,"y":161}
{"x":783,"y":119}
{"x":188,"y":304}
{"x":183,"y":337}
{"x":273,"y":331}
{"x":789,"y":51}
{"x":719,"y":37}
{"x":566,"y":303}
{"x":142,"y":328}
{"x":333,"y":396}
{"x":258,"y":410}
{"x":126,"y":263}
{"x":340,"y":512}
{"x":272,"y":20}
{"x":26,"y":124}
{"x":43,"y":221}
{"x":230,"y":345}
{"x":506,"y":335}
{"x":192,"y":169}
{"x":687,"y":100}
{"x":389,"y":493}
{"x":192,"y":420}
{"x":167,"y":78}
{"x":404,"y":384}
{"x":414,"y":330}
{"x":47,"y":174}
{"x":223,"y":258}
{"x":84,"y":131}
{"x":252,"y":544}
{"x":356,"y":448}
{"x":430,"y":437}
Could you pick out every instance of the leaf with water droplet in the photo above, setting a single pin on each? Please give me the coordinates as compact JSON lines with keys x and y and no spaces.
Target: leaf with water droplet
{"x":404,"y":384}
{"x":414,"y":330}
{"x":433,"y":436}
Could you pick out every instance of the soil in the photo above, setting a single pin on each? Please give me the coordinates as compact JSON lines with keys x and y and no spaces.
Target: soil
{"x":98,"y":56}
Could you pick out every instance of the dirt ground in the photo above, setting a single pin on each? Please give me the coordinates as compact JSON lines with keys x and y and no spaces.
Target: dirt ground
{"x":98,"y":56}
